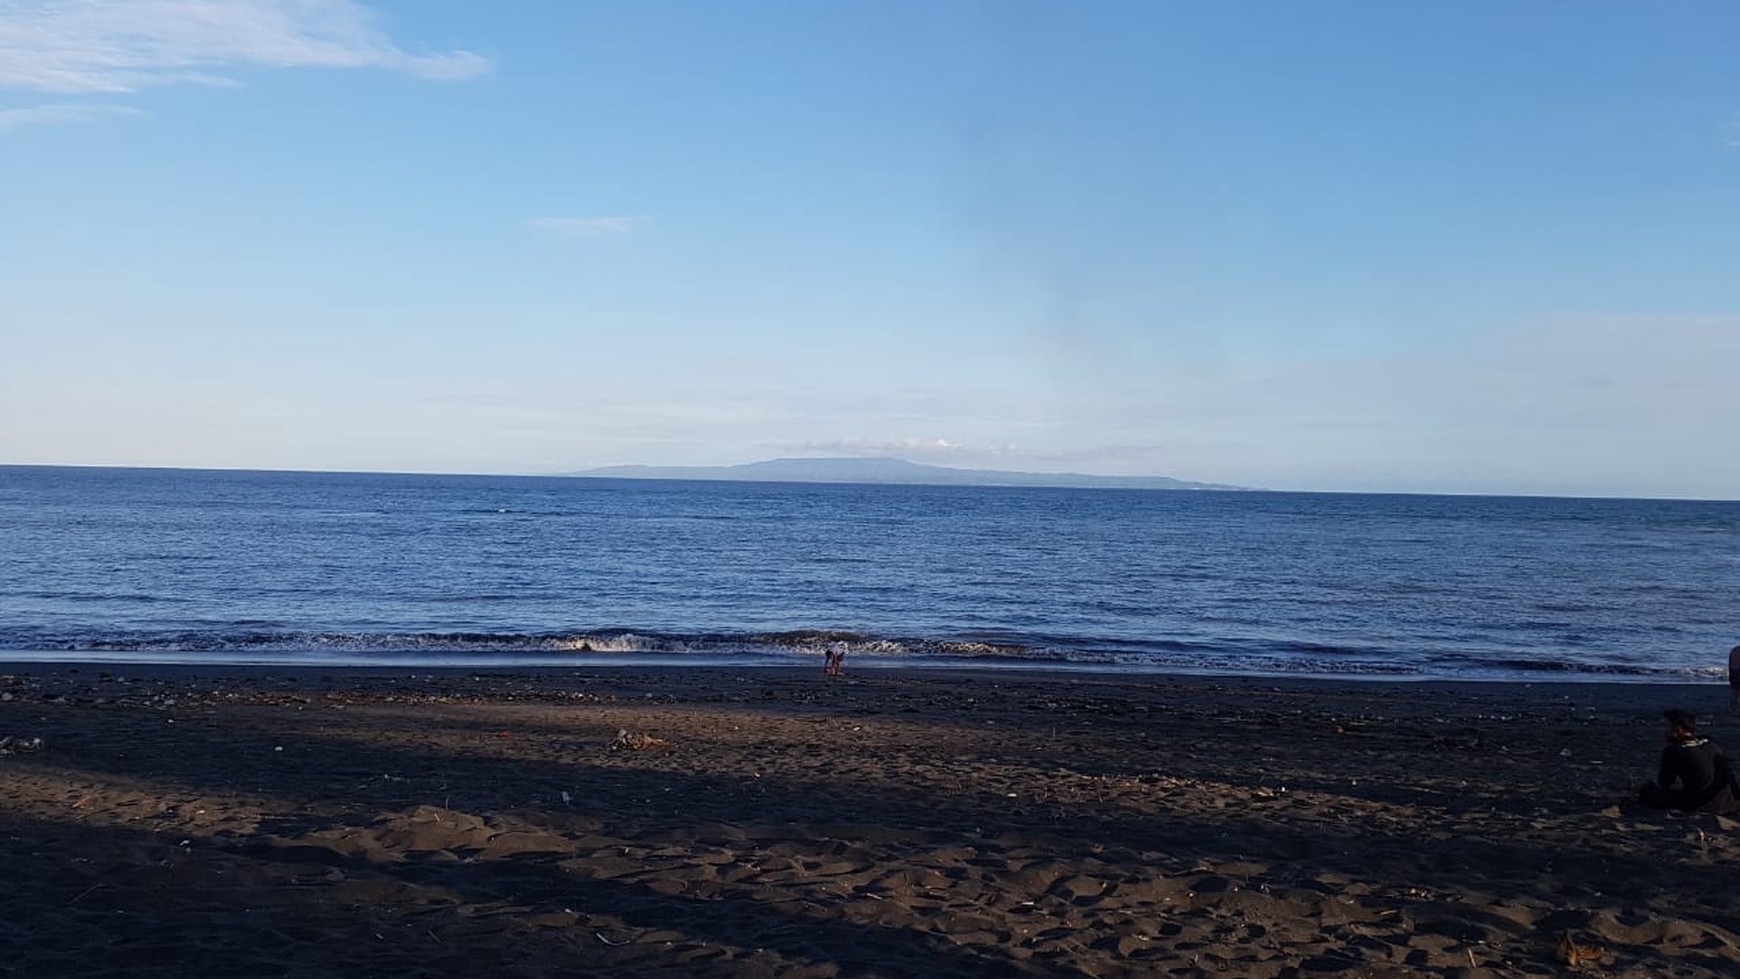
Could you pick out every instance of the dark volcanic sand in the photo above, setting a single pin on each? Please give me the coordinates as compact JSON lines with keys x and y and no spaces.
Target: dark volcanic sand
{"x":187,"y":823}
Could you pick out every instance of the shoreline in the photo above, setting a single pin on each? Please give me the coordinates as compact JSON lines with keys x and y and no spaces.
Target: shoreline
{"x":32,"y":664}
{"x":729,"y":822}
{"x":1625,"y":696}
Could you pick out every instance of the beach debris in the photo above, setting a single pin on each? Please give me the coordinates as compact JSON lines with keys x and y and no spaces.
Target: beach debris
{"x":82,"y":893}
{"x":11,"y":746}
{"x":1578,"y":951}
{"x":636,"y":741}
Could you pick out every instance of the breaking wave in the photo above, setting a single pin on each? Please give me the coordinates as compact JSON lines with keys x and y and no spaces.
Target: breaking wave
{"x":267,"y":646}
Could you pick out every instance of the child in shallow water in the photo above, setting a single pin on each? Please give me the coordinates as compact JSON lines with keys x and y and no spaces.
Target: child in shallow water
{"x":1694,"y":776}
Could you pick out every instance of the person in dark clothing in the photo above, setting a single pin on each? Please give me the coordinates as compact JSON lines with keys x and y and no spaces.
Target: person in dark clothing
{"x":1695,"y":776}
{"x":1734,"y":676}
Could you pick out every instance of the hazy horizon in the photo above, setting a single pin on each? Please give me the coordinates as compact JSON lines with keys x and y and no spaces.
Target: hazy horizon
{"x":1346,"y":247}
{"x":591,"y":473}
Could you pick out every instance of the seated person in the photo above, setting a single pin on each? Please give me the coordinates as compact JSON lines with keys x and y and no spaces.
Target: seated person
{"x":1695,"y":776}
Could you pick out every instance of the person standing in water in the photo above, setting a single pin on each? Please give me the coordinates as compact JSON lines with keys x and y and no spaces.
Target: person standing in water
{"x":1734,"y":676}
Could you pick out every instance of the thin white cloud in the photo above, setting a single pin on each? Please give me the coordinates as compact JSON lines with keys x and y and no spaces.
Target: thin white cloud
{"x":931,"y":447}
{"x":14,"y":118}
{"x":1125,"y":459}
{"x":92,"y":46}
{"x":588,"y":227}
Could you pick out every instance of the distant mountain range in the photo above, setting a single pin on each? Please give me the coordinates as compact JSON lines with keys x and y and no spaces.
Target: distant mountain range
{"x":891,"y":470}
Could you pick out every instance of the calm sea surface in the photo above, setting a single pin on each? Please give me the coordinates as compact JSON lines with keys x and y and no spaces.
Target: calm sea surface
{"x":119,"y":565}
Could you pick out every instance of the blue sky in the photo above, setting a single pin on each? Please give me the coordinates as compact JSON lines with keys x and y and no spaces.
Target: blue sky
{"x":1457,"y":247}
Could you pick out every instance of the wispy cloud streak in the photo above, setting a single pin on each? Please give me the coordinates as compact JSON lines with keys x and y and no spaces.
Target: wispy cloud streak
{"x":1147,"y":459}
{"x":588,"y":227}
{"x":96,"y":46}
{"x":14,"y":118}
{"x":905,"y":448}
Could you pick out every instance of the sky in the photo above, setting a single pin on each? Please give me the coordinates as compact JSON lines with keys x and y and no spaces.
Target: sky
{"x":1484,"y":246}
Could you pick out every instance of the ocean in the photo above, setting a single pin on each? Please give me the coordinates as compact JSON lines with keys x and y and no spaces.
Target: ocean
{"x":331,"y":569}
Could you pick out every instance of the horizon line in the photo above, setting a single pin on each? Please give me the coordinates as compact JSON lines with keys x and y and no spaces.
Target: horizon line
{"x":801,"y":482}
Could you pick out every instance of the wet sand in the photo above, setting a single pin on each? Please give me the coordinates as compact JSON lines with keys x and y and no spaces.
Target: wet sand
{"x":740,"y":823}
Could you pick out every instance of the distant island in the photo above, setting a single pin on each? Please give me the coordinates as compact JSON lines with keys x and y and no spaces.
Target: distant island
{"x":893,"y":471}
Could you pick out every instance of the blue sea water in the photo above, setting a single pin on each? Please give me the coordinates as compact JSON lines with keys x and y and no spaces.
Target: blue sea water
{"x":137,"y":565}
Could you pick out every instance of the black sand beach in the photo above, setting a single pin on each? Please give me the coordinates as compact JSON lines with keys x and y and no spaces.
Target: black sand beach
{"x":731,"y":822}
